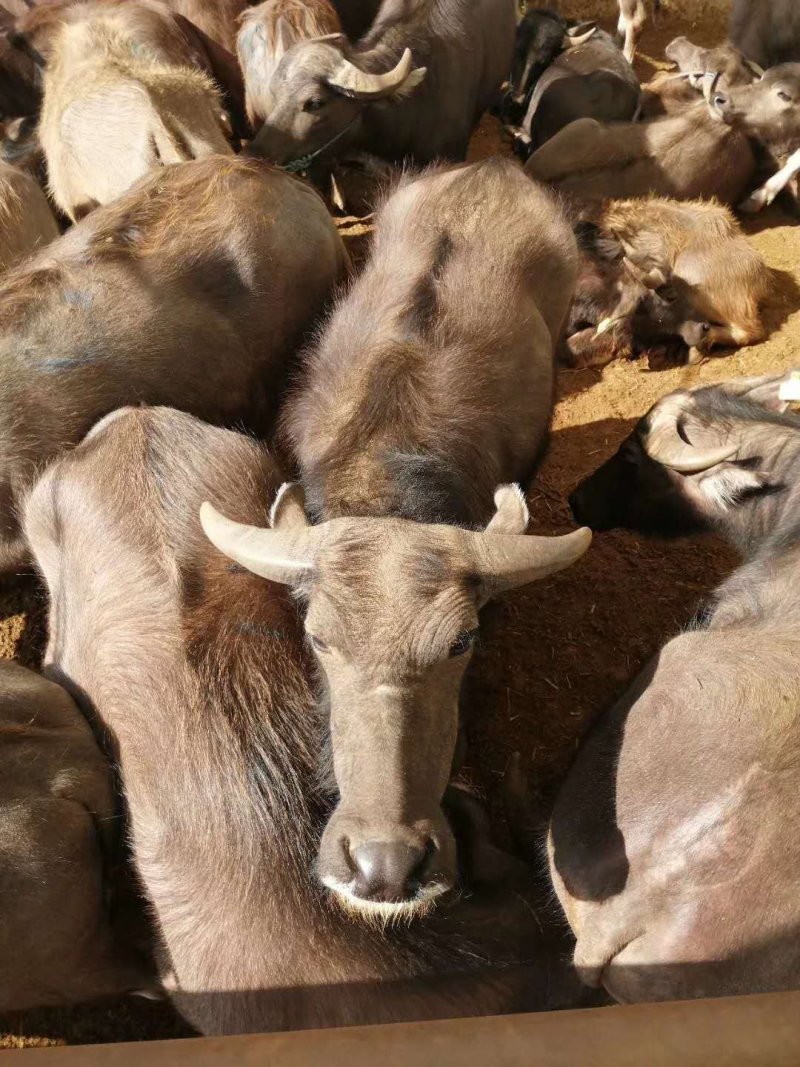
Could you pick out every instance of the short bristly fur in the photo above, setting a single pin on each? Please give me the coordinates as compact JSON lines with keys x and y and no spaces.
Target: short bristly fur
{"x":58,"y":823}
{"x":122,"y":95}
{"x":123,"y":309}
{"x":708,"y":279}
{"x":197,"y":674}
{"x":430,"y":385}
{"x":687,"y":156}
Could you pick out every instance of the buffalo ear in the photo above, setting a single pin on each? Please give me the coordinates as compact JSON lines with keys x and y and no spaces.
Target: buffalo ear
{"x":511,"y":514}
{"x":727,"y":486}
{"x":288,"y":511}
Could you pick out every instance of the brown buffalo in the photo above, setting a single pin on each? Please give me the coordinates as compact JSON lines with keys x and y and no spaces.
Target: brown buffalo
{"x":700,"y":69}
{"x":125,"y":308}
{"x":430,"y":386}
{"x":57,"y":839}
{"x":687,"y":156}
{"x":413,"y":87}
{"x":767,"y":32}
{"x":199,"y":673}
{"x":660,"y":272}
{"x":769,"y":112}
{"x":123,"y":94}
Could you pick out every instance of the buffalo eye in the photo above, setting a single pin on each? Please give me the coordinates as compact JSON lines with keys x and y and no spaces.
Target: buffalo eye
{"x":463,"y":643}
{"x":317,"y":644}
{"x":667,"y":294}
{"x":784,"y":96}
{"x":314,"y":103}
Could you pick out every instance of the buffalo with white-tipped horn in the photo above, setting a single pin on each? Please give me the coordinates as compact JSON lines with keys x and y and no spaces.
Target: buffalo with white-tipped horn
{"x":413,"y":87}
{"x":428,"y":393}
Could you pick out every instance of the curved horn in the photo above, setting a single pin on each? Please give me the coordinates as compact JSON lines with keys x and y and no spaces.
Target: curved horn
{"x":755,"y":68}
{"x":664,"y":444}
{"x":353,"y":81}
{"x":573,"y":39}
{"x":505,"y":561}
{"x":281,"y":556}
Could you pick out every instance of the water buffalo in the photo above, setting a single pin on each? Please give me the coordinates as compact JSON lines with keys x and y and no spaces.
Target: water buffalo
{"x":700,"y":68}
{"x":688,"y":156}
{"x":591,"y":79}
{"x":664,"y":276}
{"x":199,"y":673}
{"x":675,"y":841}
{"x":26,"y":219}
{"x":121,"y":309}
{"x":767,"y":31}
{"x":430,"y":386}
{"x":267,"y":32}
{"x":57,"y":839}
{"x":412,"y":88}
{"x":768,"y":111}
{"x":541,"y":36}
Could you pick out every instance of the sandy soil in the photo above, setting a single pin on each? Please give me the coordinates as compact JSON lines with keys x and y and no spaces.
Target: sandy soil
{"x":552,"y":656}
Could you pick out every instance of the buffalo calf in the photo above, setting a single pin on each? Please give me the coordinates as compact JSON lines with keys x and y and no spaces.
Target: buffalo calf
{"x":665,"y":272}
{"x":429,"y":390}
{"x":199,"y":673}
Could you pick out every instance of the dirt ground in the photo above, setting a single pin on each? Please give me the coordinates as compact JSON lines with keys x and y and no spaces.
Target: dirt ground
{"x":552,"y":656}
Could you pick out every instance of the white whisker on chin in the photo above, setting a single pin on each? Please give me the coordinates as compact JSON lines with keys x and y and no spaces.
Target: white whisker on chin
{"x":384,"y":913}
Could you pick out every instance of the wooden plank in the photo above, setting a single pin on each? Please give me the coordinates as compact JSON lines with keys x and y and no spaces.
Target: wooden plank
{"x":758,"y":1031}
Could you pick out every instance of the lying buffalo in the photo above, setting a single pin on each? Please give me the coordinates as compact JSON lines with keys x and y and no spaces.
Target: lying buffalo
{"x":675,"y":841}
{"x":592,"y":79}
{"x":670,"y":278}
{"x":688,"y":156}
{"x":58,"y":835}
{"x":769,"y":112}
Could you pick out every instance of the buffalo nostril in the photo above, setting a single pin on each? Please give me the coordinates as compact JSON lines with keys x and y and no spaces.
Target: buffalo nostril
{"x":388,"y":871}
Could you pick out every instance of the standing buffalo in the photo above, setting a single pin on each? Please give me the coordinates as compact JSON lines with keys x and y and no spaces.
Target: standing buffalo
{"x":412,"y":88}
{"x":267,"y":32}
{"x":125,"y":308}
{"x":675,"y":841}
